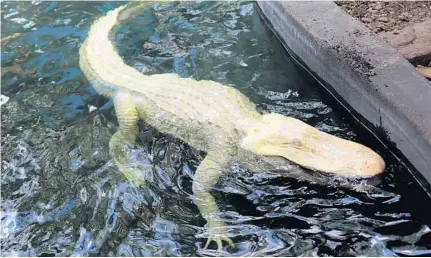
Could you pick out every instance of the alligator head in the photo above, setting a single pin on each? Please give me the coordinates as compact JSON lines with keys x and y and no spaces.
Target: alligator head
{"x":278,"y":135}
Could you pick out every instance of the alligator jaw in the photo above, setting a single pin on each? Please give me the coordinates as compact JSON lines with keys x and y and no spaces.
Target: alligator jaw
{"x":278,"y":135}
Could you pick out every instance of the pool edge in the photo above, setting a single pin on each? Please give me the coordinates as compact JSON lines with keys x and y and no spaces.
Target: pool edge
{"x":369,"y":75}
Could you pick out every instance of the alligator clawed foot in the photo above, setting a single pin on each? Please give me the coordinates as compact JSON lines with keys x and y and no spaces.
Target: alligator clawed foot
{"x":218,"y":235}
{"x":219,"y":241}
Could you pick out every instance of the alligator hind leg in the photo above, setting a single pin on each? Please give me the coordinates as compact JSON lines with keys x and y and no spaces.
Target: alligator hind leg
{"x":127,"y":116}
{"x":206,"y":176}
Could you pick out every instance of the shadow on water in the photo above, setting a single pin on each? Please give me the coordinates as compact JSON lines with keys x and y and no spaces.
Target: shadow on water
{"x":62,"y":194}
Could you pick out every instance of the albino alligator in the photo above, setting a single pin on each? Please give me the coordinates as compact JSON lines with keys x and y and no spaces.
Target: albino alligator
{"x":213,"y":118}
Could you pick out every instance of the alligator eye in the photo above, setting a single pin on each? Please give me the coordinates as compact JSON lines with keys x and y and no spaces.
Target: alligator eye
{"x":297,"y":143}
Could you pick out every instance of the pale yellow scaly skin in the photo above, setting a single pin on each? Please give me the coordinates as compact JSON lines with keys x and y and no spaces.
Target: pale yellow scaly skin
{"x":210,"y":117}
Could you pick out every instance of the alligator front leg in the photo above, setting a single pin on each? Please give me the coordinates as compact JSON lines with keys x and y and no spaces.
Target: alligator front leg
{"x":206,"y":176}
{"x":127,"y":116}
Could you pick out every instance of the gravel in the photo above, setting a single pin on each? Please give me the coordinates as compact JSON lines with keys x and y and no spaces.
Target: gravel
{"x":387,"y":16}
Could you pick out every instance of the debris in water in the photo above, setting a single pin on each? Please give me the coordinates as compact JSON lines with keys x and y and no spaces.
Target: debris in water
{"x":19,"y":20}
{"x":3,"y":99}
{"x":29,"y":25}
{"x":67,"y":21}
{"x":12,"y":13}
{"x":91,"y":108}
{"x":242,"y":63}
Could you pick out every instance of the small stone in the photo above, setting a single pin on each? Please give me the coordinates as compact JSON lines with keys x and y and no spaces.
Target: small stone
{"x":378,"y":6}
{"x":412,"y":41}
{"x":396,"y":32}
{"x":383,"y":19}
{"x":366,"y":20}
{"x":403,"y":18}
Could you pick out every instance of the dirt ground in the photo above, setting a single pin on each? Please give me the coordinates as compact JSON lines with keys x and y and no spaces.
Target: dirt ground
{"x":387,"y":16}
{"x":404,"y":25}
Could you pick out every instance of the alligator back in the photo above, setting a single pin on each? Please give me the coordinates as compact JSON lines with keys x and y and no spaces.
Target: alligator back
{"x":166,"y":101}
{"x":190,"y":109}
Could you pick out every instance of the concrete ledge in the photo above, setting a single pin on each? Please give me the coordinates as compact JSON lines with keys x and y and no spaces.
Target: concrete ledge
{"x":371,"y":76}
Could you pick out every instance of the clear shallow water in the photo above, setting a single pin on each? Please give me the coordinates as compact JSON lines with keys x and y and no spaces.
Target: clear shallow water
{"x":62,"y":194}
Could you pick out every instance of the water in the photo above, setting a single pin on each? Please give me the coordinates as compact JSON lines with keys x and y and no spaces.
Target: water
{"x":62,"y":194}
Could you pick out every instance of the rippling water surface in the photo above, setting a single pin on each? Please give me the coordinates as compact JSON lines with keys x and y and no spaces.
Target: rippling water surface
{"x":62,"y":194}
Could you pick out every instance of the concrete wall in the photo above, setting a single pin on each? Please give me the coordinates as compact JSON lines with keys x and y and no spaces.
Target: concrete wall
{"x":371,"y":76}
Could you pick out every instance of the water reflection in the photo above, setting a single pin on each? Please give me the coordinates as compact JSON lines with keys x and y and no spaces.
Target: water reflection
{"x":62,"y":194}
